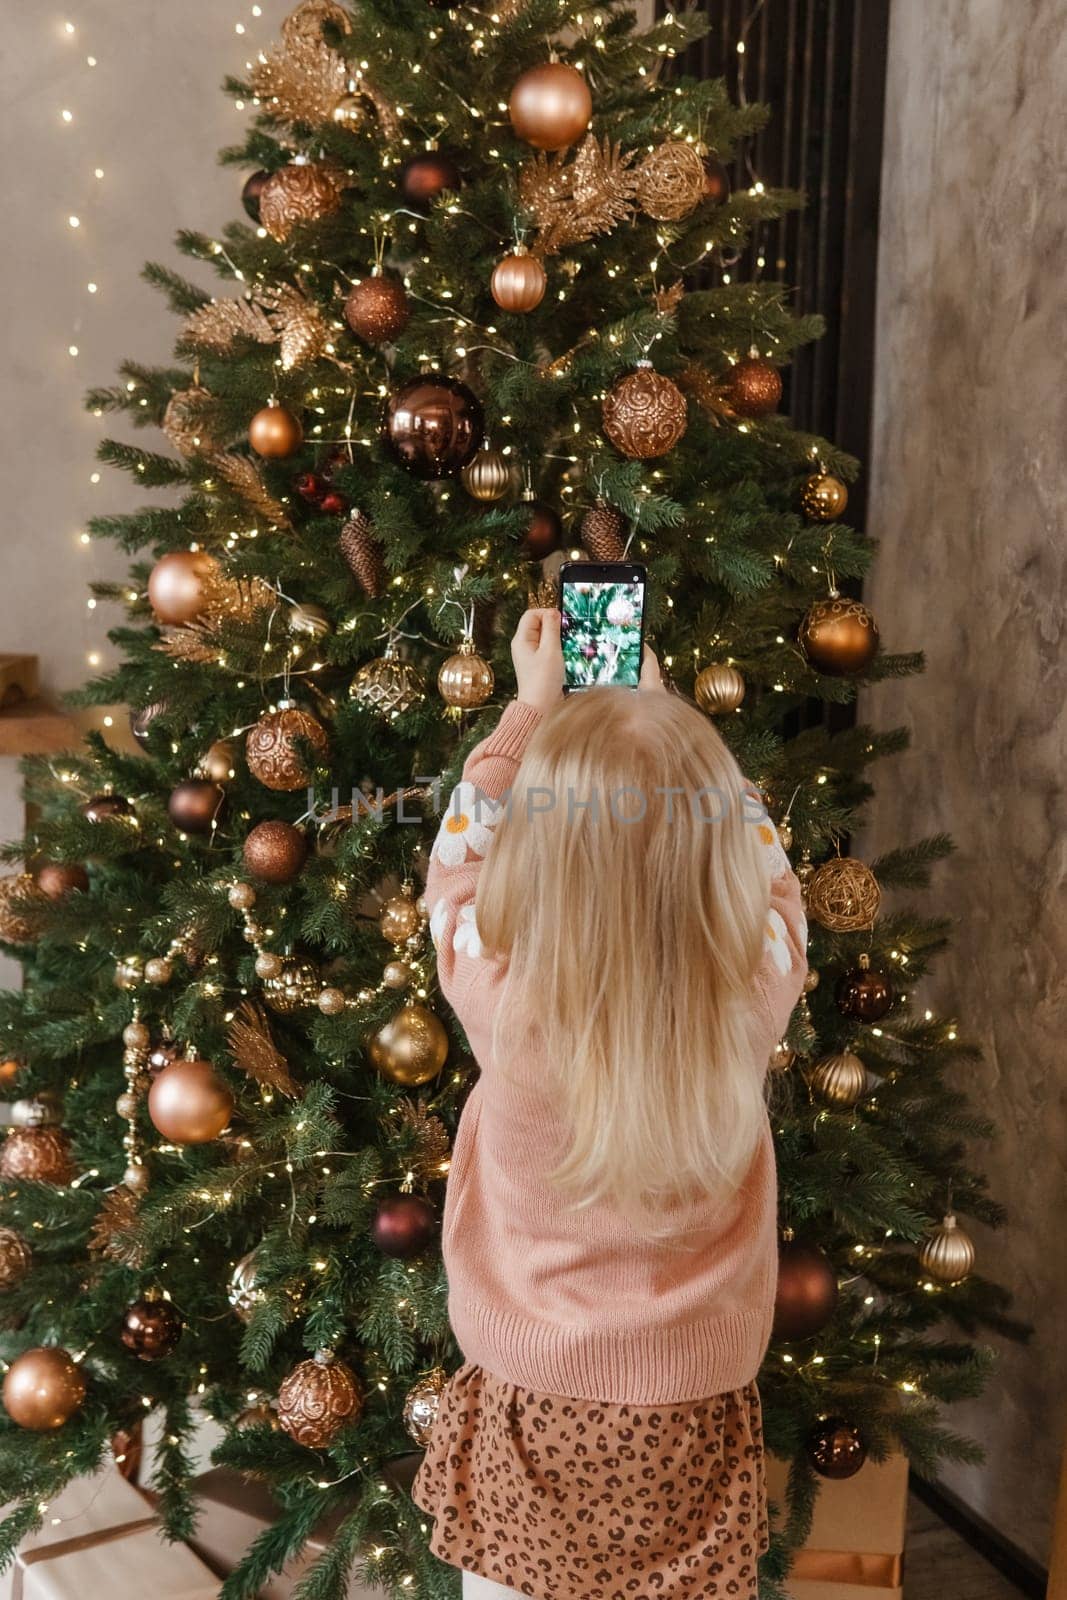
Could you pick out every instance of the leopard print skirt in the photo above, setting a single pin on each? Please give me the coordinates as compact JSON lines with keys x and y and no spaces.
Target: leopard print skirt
{"x":570,"y":1500}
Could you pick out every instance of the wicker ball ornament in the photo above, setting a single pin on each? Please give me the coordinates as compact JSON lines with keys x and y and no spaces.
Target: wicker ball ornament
{"x":274,"y":852}
{"x":39,"y":1154}
{"x":466,"y":679}
{"x":421,"y":1405}
{"x":274,"y":432}
{"x":644,"y":413}
{"x":377,"y":309}
{"x":411,"y":1048}
{"x":388,"y":686}
{"x":293,"y":987}
{"x":488,"y":476}
{"x":843,"y":896}
{"x":754,"y":387}
{"x":835,"y":1448}
{"x":151,"y":1328}
{"x":839,"y":1079}
{"x":318,"y":1399}
{"x":947,"y":1254}
{"x":839,"y":636}
{"x":807,"y":1291}
{"x":518,"y":282}
{"x":43,"y":1388}
{"x":671,"y":181}
{"x":603,"y":531}
{"x":303,"y":191}
{"x":275,"y":745}
{"x":718,"y":688}
{"x":550,"y":106}
{"x":189,"y":1103}
{"x":362,"y":551}
{"x":823,"y":497}
{"x":16,"y":1258}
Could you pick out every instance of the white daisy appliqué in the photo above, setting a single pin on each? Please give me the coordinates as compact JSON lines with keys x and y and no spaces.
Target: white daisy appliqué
{"x":438,"y":919}
{"x":776,"y":856}
{"x":466,"y":940}
{"x":776,"y":942}
{"x":468,"y":825}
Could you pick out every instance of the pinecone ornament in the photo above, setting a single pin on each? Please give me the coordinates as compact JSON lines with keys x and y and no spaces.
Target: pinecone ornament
{"x":361,"y":549}
{"x":604,"y":532}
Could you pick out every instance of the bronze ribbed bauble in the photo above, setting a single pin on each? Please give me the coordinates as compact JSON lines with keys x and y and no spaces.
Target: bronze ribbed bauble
{"x":518,"y":282}
{"x":433,"y":425}
{"x":947,"y":1253}
{"x":644,"y":413}
{"x":411,"y":1048}
{"x":39,"y":1154}
{"x":275,"y":851}
{"x":151,"y":1328}
{"x":466,"y":679}
{"x":807,"y":1291}
{"x":180,"y":584}
{"x":292,"y":987}
{"x":303,"y":191}
{"x":43,"y":1388}
{"x":318,"y":1399}
{"x":754,"y":387}
{"x":488,"y":475}
{"x":839,"y":636}
{"x":718,"y":688}
{"x":839,"y":1079}
{"x":377,"y":309}
{"x":274,"y":432}
{"x":189,"y":1103}
{"x":550,"y":106}
{"x":274,"y":748}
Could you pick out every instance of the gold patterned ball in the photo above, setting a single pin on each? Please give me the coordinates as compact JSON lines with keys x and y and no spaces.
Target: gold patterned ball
{"x":488,"y":476}
{"x":39,"y":1154}
{"x":644,"y":413}
{"x":671,"y":181}
{"x":421,"y":1405}
{"x":947,"y":1254}
{"x":296,"y":986}
{"x":839,"y":1079}
{"x":839,"y":636}
{"x":318,"y":1399}
{"x":19,"y":896}
{"x":274,"y":747}
{"x":719,"y":687}
{"x":388,"y":686}
{"x":843,"y":896}
{"x":823,"y":497}
{"x":16,"y":1258}
{"x":466,"y":679}
{"x":411,"y":1048}
{"x":399,"y":919}
{"x":301,"y":192}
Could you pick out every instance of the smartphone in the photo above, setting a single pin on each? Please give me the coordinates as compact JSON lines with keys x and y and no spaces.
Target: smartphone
{"x":602,"y":604}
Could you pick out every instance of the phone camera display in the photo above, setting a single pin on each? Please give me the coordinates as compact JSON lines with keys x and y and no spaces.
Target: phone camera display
{"x":601,"y":633}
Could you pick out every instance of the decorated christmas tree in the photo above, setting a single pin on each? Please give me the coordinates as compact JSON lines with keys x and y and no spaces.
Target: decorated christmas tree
{"x":478,"y":317}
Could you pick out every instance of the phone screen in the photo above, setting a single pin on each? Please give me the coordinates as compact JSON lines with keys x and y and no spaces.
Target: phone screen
{"x":602,"y":626}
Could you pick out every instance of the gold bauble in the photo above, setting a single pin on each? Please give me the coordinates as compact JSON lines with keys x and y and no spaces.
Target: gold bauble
{"x":189,"y":1103}
{"x":644,"y":414}
{"x":947,"y":1254}
{"x":843,"y":896}
{"x":839,"y":636}
{"x":318,"y":1399}
{"x":550,"y":106}
{"x":304,"y":191}
{"x":331,"y":1001}
{"x":411,"y":1048}
{"x":398,"y":974}
{"x":421,"y":1405}
{"x":18,"y":897}
{"x":388,"y":686}
{"x":43,"y":1388}
{"x":466,"y":679}
{"x":718,"y":687}
{"x":839,"y":1079}
{"x":39,"y":1154}
{"x":16,"y":1258}
{"x":811,"y":980}
{"x":268,"y":965}
{"x":488,"y":476}
{"x":180,"y":585}
{"x":297,"y":985}
{"x":671,"y":181}
{"x":399,"y":919}
{"x":823,"y":497}
{"x":273,"y":747}
{"x":218,"y":761}
{"x":782,"y":1057}
{"x":518,"y":282}
{"x":785,"y":835}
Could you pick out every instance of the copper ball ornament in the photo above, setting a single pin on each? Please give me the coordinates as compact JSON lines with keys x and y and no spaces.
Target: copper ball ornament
{"x":754,"y":387}
{"x":399,"y":920}
{"x":318,"y":1399}
{"x":823,"y":497}
{"x":58,"y":879}
{"x":835,"y":1449}
{"x":466,"y":679}
{"x":293,"y":987}
{"x":550,"y":106}
{"x":180,"y":585}
{"x":189,"y":1103}
{"x":421,"y":1405}
{"x":141,"y":720}
{"x":488,"y":475}
{"x":807,"y":1291}
{"x":377,"y":309}
{"x":218,"y":762}
{"x":425,"y":177}
{"x":411,"y":1048}
{"x":303,"y":191}
{"x":864,"y":995}
{"x":16,"y":1258}
{"x":644,"y":414}
{"x":251,"y":191}
{"x":275,"y":745}
{"x":274,"y":852}
{"x":433,"y":425}
{"x":839,"y":636}
{"x":543,"y":533}
{"x":518,"y":282}
{"x":718,"y":688}
{"x":403,"y":1225}
{"x":671,"y":181}
{"x":947,"y":1254}
{"x":274,"y":432}
{"x":43,"y":1388}
{"x":716,"y":180}
{"x":102,"y":807}
{"x":839,"y":1079}
{"x":194,"y":805}
{"x":388,"y":686}
{"x":41,"y":1155}
{"x":151,"y":1328}
{"x":603,"y":532}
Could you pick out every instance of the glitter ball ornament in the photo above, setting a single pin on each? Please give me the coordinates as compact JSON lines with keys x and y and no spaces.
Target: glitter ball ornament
{"x":331,"y":1002}
{"x":864,"y":995}
{"x":362,"y":551}
{"x":947,"y":1254}
{"x":251,"y":191}
{"x":275,"y":747}
{"x":274,"y":432}
{"x":303,"y":191}
{"x":839,"y":1079}
{"x":843,"y":896}
{"x":388,"y":686}
{"x":839,"y":636}
{"x":377,"y":309}
{"x":644,"y":413}
{"x":835,"y":1449}
{"x":318,"y":1399}
{"x":180,"y":585}
{"x":603,"y":531}
{"x":151,"y":1328}
{"x":275,"y":851}
{"x":295,"y":987}
{"x":671,"y":181}
{"x":465,"y":680}
{"x":754,"y":387}
{"x":718,"y":688}
{"x":39,"y":1154}
{"x":399,"y":920}
{"x":823,"y":497}
{"x":806,"y":1293}
{"x":518,"y":282}
{"x":403,"y":1225}
{"x":488,"y":475}
{"x":194,"y":805}
{"x":433,"y":425}
{"x":43,"y":1388}
{"x":421,"y":1405}
{"x":189,"y":1103}
{"x":426,"y":177}
{"x":16,"y":1258}
{"x":411,"y":1048}
{"x":398,"y":974}
{"x":550,"y":106}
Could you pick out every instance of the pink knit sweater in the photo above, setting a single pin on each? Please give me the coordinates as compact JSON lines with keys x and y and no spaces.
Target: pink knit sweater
{"x":576,"y":1303}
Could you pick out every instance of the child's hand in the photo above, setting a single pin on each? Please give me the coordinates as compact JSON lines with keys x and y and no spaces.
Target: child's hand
{"x":538,"y":657}
{"x":650,"y":675}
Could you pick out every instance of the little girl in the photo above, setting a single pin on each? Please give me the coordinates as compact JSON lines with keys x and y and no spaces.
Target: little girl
{"x":621,"y":936}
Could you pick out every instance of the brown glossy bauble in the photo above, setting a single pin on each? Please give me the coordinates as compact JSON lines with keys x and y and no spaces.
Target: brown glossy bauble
{"x":318,"y":1399}
{"x":488,"y":475}
{"x":839,"y":636}
{"x":194,"y":805}
{"x":466,"y":679}
{"x":603,"y":531}
{"x":303,"y":191}
{"x":16,"y":1258}
{"x":947,"y":1253}
{"x":718,"y":688}
{"x":543,"y":533}
{"x":864,"y":995}
{"x":275,"y":744}
{"x":433,"y":425}
{"x":518,"y":282}
{"x":398,"y":920}
{"x":403,"y":1225}
{"x":274,"y":852}
{"x":141,"y":721}
{"x":102,"y":807}
{"x":807,"y":1291}
{"x":378,"y":310}
{"x":644,"y":413}
{"x":716,"y":180}
{"x":180,"y":584}
{"x":43,"y":1388}
{"x":550,"y":106}
{"x":151,"y":1329}
{"x":835,"y":1449}
{"x":824,"y":497}
{"x":421,"y":1405}
{"x":189,"y":1103}
{"x":274,"y":432}
{"x":251,"y":191}
{"x":755,"y":387}
{"x":58,"y":879}
{"x":39,"y":1154}
{"x":411,"y":1048}
{"x":427,"y":176}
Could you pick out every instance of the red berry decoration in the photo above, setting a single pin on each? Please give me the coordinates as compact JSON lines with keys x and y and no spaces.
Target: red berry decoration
{"x":835,"y":1449}
{"x":333,"y":503}
{"x":310,"y":487}
{"x":404,"y":1225}
{"x":807,"y":1291}
{"x":863,"y":995}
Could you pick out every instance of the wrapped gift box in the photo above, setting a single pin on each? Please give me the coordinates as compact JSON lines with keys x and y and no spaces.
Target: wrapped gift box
{"x":855,"y":1550}
{"x":101,"y":1538}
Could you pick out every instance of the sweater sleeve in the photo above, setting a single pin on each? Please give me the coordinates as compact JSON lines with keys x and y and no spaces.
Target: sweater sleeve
{"x":463,"y":840}
{"x":784,"y":964}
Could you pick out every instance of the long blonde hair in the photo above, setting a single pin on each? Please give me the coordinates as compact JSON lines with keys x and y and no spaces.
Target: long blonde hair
{"x":632,"y":942}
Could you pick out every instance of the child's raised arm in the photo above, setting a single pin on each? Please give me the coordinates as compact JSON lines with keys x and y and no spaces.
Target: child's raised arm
{"x":780,"y":980}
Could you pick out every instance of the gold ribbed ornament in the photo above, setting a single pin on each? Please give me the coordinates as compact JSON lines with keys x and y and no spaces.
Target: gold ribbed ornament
{"x":488,"y":476}
{"x":296,"y":986}
{"x":670,"y":181}
{"x":718,"y":687}
{"x":421,"y":1405}
{"x":839,"y":1079}
{"x":388,"y":686}
{"x":947,"y":1254}
{"x":465,"y":679}
{"x":843,"y":896}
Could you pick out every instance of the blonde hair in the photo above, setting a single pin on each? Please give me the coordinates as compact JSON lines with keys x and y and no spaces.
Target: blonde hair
{"x":632,"y":943}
